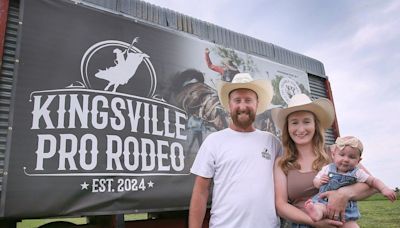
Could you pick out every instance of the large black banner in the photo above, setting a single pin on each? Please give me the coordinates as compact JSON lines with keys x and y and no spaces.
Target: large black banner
{"x":108,"y":113}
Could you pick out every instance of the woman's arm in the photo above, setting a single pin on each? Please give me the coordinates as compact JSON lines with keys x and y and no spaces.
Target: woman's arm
{"x":288,"y":211}
{"x":284,"y":209}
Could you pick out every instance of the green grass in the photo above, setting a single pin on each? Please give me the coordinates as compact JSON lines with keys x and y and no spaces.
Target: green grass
{"x":133,"y":217}
{"x":34,"y":223}
{"x":377,"y":211}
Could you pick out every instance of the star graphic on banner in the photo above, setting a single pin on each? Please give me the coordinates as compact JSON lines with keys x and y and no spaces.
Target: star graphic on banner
{"x":150,"y":184}
{"x":84,"y":185}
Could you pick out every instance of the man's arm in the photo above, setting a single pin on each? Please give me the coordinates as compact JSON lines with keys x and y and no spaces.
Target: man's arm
{"x":198,"y":202}
{"x":210,"y":65}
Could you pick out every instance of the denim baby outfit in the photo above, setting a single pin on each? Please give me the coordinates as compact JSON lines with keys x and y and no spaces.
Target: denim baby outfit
{"x":295,"y":225}
{"x":337,"y":181}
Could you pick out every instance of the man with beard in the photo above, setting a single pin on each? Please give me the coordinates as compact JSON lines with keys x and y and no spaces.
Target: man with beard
{"x":238,"y":161}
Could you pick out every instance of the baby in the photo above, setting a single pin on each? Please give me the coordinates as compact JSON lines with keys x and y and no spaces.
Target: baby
{"x":343,"y":171}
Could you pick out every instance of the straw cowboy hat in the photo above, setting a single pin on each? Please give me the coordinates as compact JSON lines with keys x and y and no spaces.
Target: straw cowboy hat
{"x":322,"y":108}
{"x":261,"y":87}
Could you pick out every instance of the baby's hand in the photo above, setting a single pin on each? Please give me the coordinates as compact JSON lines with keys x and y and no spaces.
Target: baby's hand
{"x":389,"y":193}
{"x":324,"y":179}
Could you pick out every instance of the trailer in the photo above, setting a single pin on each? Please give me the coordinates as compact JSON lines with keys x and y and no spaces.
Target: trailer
{"x":98,"y":99}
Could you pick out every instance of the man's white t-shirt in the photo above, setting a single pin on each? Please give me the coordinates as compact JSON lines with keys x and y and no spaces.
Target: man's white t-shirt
{"x":241,"y":165}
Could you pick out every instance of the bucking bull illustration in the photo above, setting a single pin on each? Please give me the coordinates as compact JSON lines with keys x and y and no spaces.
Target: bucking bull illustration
{"x":196,"y":97}
{"x":190,"y":93}
{"x":124,"y":69}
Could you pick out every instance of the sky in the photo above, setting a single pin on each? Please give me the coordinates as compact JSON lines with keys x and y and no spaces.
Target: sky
{"x":357,"y":41}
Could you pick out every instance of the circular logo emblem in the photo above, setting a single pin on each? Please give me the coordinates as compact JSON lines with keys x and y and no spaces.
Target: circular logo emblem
{"x":288,"y":88}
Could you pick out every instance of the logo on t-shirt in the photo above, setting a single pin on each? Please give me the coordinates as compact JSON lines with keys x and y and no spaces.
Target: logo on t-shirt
{"x":266,"y":154}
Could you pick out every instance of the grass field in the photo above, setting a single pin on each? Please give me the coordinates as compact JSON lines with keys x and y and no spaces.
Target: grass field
{"x":376,"y":211}
{"x":34,"y":223}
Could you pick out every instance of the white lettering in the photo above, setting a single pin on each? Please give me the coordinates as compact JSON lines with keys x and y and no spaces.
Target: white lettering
{"x":176,"y":147}
{"x":39,"y":112}
{"x":162,"y":155}
{"x":179,"y":126}
{"x":134,"y":117}
{"x":41,"y":154}
{"x":61,"y":112}
{"x":67,"y":141}
{"x":148,"y":159}
{"x":135,"y":153}
{"x":111,"y":155}
{"x":88,"y":138}
{"x":99,"y":112}
{"x":103,"y":115}
{"x":114,"y":106}
{"x":81,"y":111}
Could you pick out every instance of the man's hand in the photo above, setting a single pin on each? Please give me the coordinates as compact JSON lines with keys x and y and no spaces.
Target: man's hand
{"x":335,"y":209}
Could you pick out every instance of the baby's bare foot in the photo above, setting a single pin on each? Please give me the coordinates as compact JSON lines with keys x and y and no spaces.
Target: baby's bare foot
{"x":313,"y":210}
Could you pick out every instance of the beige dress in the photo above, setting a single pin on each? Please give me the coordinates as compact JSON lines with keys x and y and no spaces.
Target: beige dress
{"x":300,"y":187}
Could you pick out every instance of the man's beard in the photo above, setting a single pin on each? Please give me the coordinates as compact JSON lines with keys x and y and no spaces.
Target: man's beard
{"x":243,"y":123}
